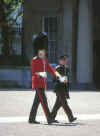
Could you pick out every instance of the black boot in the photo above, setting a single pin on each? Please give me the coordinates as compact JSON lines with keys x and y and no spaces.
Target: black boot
{"x":73,"y":119}
{"x":33,"y":122}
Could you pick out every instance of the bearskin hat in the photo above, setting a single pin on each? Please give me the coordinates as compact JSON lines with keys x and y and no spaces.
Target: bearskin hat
{"x":40,"y":41}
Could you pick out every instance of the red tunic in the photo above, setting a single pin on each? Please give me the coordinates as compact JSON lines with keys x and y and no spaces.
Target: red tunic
{"x":38,"y":66}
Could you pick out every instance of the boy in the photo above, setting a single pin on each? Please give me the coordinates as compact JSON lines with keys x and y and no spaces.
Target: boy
{"x":62,"y":90}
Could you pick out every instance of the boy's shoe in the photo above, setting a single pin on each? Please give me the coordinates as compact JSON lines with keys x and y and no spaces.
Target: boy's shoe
{"x":52,"y":121}
{"x":55,"y":121}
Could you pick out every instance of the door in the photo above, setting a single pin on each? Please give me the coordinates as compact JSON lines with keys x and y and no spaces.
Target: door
{"x":97,"y":64}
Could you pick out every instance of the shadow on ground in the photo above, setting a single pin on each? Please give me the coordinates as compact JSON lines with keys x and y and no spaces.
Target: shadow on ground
{"x":65,"y":124}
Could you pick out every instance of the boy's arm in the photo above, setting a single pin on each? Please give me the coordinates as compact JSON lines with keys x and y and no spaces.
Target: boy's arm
{"x":63,"y":79}
{"x":56,"y":79}
{"x":69,"y":85}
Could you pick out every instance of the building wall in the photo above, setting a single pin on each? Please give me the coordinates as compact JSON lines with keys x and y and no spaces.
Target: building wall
{"x":33,"y":19}
{"x":19,"y":77}
{"x":33,"y":23}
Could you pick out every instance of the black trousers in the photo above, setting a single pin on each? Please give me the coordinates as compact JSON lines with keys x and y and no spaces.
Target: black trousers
{"x":40,"y":97}
{"x":61,"y":101}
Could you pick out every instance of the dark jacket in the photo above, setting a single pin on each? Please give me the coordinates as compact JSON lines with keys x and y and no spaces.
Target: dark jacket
{"x":62,"y":87}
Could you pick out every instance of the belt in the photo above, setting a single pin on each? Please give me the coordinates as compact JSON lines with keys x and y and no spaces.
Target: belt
{"x":42,"y":74}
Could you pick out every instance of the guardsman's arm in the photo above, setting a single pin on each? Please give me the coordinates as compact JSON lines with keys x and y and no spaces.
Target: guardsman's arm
{"x":32,"y":64}
{"x":50,"y":69}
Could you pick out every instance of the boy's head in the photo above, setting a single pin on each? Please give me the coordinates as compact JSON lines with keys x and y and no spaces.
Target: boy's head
{"x":62,"y":60}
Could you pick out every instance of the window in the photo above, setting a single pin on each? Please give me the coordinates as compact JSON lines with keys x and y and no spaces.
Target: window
{"x":14,"y":42}
{"x":50,"y":27}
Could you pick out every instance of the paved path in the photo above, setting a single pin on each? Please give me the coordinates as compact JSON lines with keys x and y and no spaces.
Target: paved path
{"x":15,"y":107}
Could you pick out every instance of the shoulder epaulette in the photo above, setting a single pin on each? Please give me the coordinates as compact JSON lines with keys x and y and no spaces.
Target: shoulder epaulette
{"x":34,"y":57}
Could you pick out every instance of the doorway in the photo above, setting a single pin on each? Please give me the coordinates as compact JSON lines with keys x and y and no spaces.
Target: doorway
{"x":97,"y":64}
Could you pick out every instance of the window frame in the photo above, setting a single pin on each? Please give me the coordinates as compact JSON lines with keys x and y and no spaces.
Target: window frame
{"x":43,"y":30}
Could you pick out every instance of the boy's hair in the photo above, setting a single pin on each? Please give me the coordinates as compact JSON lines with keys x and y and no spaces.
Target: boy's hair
{"x":64,"y":57}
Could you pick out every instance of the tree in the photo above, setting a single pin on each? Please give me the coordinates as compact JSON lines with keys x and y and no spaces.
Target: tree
{"x":10,"y":12}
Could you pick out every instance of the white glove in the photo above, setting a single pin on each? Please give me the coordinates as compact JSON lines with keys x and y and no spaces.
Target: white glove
{"x":66,"y":78}
{"x":43,"y":74}
{"x":62,"y":79}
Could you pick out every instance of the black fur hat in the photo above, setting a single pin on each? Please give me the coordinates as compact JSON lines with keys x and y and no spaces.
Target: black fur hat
{"x":40,"y":41}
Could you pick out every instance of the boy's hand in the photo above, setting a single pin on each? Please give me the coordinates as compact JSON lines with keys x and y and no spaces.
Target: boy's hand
{"x":65,"y":81}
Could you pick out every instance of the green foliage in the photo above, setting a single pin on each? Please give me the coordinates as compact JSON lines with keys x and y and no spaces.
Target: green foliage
{"x":7,"y":1}
{"x":12,"y":10}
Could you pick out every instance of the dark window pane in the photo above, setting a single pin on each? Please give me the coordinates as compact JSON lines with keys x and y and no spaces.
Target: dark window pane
{"x":50,"y":26}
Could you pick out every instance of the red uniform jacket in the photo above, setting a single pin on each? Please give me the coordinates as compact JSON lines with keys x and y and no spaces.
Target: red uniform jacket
{"x":38,"y":66}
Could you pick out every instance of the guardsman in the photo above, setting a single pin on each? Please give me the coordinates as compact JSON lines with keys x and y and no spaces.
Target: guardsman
{"x":39,"y":68}
{"x":62,"y":90}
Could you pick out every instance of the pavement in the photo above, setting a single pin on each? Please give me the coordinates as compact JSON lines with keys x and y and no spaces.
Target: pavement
{"x":15,"y":107}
